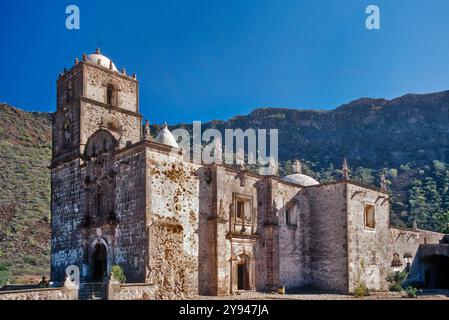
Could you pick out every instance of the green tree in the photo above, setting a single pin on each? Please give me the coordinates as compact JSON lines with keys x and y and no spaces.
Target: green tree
{"x":5,"y":274}
{"x":363,"y":175}
{"x":396,"y":280}
{"x":442,"y":222}
{"x":418,"y":204}
{"x":434,"y":200}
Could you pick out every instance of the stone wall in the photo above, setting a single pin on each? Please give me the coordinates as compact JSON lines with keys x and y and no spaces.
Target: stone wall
{"x":368,"y":249}
{"x":291,"y":245}
{"x":208,"y":225}
{"x":264,"y":268}
{"x":97,"y":79}
{"x":126,"y":128}
{"x":323,"y":210}
{"x":68,"y":87}
{"x":67,"y":218}
{"x":172,"y":214}
{"x":125,"y":232}
{"x":40,"y":294}
{"x":138,"y":291}
{"x":66,"y":133}
{"x":407,"y":244}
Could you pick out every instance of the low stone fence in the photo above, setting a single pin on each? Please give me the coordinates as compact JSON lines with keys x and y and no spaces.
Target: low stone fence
{"x":113,"y":291}
{"x":40,"y":294}
{"x":132,"y":291}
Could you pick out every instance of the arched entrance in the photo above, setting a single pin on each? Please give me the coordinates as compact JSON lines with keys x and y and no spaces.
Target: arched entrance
{"x":242,"y":273}
{"x":99,"y":269}
{"x":436,"y":272}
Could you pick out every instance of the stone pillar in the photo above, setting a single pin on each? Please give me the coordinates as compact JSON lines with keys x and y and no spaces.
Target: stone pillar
{"x":272,"y":252}
{"x":252,"y":275}
{"x":223,"y":266}
{"x":112,"y":290}
{"x":222,"y":261}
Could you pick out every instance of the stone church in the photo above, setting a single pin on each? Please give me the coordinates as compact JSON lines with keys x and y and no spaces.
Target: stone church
{"x":122,"y":197}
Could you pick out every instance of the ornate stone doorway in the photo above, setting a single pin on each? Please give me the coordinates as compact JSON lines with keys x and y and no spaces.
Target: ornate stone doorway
{"x":242,"y":276}
{"x":99,"y":270}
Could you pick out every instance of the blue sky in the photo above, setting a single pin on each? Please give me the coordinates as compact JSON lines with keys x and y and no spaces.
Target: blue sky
{"x":203,"y":60}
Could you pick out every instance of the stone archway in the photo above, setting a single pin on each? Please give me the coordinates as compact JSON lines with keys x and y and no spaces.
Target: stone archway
{"x":99,"y":262}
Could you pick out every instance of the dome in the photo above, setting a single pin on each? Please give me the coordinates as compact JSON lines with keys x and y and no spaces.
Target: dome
{"x":104,"y":61}
{"x":301,"y":179}
{"x":298,"y":178}
{"x":167,"y":138}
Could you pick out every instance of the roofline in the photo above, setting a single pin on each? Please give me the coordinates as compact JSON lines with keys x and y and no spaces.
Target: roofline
{"x":359,"y":184}
{"x":417,"y":230}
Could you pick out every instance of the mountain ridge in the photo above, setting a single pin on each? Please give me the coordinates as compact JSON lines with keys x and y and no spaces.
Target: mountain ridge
{"x":406,"y":138}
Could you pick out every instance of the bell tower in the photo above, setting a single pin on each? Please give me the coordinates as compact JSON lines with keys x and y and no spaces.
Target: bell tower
{"x":93,"y":95}
{"x":97,"y":114}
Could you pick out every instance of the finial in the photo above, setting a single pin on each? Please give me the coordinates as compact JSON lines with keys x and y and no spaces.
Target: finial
{"x":273,"y":166}
{"x":111,"y":65}
{"x":345,"y":170}
{"x":146,"y":130}
{"x":98,"y":51}
{"x":415,"y":224}
{"x":165,"y":125}
{"x":383,"y":182}
{"x":76,"y":61}
{"x":297,"y":167}
{"x":124,"y":71}
{"x":134,"y":76}
{"x":84,"y":57}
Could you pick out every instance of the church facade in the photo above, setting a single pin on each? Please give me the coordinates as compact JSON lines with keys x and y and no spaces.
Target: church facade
{"x":121,"y":197}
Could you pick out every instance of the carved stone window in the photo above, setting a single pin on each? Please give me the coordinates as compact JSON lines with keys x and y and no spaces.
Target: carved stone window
{"x":240,"y":209}
{"x":243,"y":208}
{"x":111,"y":95}
{"x":100,"y":204}
{"x":290,"y":217}
{"x":370,"y":217}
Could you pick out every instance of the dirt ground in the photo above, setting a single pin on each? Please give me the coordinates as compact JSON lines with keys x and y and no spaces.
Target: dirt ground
{"x":424,"y":295}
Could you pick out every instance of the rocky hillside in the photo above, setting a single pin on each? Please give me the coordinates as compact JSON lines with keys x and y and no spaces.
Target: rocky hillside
{"x":25,"y":152}
{"x":369,"y":132}
{"x":406,"y":138}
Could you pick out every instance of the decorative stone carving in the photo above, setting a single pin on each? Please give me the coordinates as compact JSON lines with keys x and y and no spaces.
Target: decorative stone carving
{"x":297,"y":167}
{"x":345,"y":170}
{"x":147,"y":131}
{"x":383,"y":182}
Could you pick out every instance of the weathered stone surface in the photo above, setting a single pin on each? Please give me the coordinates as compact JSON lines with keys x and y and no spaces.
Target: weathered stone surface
{"x":40,"y":294}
